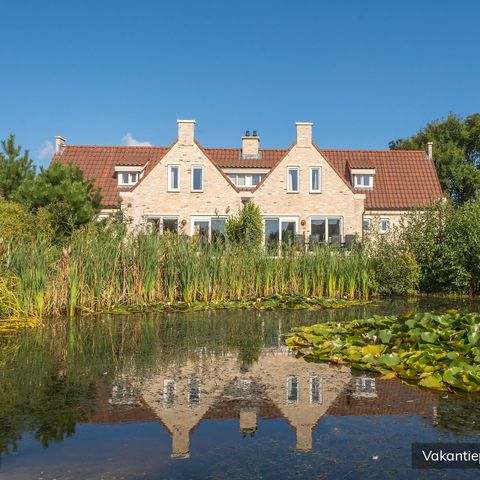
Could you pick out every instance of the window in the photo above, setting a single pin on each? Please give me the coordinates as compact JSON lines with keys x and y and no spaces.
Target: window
{"x":315,"y":180}
{"x":209,"y":227}
{"x":197,"y":178}
{"x":363,"y":181}
{"x":174,"y":178}
{"x":169,"y":393}
{"x":127,"y":178}
{"x":365,"y":387}
{"x":292,"y":180}
{"x":246,"y":181}
{"x":279,"y":231}
{"x":194,"y":391}
{"x":384,"y":225}
{"x":367,"y":222}
{"x":161,"y":224}
{"x":326,"y":229}
{"x":315,"y":390}
{"x":292,"y":389}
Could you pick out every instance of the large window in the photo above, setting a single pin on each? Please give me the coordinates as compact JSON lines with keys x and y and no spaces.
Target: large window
{"x":209,"y":227}
{"x":315,"y":180}
{"x":197,"y":178}
{"x":162,"y":224}
{"x":279,"y":230}
{"x":174,"y":178}
{"x":326,"y":229}
{"x":293,"y":181}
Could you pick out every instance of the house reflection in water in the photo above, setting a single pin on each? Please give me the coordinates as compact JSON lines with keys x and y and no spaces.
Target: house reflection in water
{"x":277,"y":386}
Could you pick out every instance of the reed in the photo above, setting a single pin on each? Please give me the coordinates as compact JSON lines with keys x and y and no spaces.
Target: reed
{"x":100,"y":270}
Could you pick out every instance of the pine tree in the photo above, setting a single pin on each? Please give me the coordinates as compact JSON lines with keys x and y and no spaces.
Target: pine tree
{"x":15,"y":168}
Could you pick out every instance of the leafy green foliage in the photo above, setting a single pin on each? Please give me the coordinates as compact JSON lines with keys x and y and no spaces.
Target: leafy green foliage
{"x":16,"y":167}
{"x":246,"y":229}
{"x":456,"y":153}
{"x":445,"y":243}
{"x":68,"y":199}
{"x":438,"y":351}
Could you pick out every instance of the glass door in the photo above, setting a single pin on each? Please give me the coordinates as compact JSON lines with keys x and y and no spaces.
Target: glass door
{"x":288,"y":232}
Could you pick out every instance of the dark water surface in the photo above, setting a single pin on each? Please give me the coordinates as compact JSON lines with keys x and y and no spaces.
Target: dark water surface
{"x":212,"y":395}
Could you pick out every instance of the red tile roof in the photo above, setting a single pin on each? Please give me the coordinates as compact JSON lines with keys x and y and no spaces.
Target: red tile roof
{"x":403,"y":179}
{"x":232,"y":158}
{"x":99,"y":163}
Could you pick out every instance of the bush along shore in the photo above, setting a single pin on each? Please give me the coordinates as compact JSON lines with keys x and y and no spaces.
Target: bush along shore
{"x":104,"y":270}
{"x":437,"y":351}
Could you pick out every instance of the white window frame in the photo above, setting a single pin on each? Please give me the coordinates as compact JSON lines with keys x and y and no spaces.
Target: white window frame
{"x":381,"y":220}
{"x":280,"y":219}
{"x":248,"y":179}
{"x":289,"y":383}
{"x":161,"y":218}
{"x":289,"y":168}
{"x":205,"y":218}
{"x":320,"y":394}
{"x":326,"y":218}
{"x":201,"y":168}
{"x":358,"y":184}
{"x":169,"y":179}
{"x":130,"y":182}
{"x":319,"y":190}
{"x":369,"y":221}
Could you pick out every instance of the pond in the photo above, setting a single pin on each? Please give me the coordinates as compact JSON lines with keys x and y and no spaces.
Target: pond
{"x":212,"y":395}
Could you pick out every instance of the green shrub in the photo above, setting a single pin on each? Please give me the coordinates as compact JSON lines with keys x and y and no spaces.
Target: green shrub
{"x":246,"y":228}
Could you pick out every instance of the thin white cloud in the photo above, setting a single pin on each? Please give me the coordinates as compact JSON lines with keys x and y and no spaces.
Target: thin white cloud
{"x":129,"y":141}
{"x":45,"y":150}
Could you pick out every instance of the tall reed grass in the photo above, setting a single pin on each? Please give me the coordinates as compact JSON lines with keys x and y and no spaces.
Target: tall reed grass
{"x":102,"y":269}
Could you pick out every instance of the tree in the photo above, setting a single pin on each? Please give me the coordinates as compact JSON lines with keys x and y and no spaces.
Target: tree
{"x":246,"y":228}
{"x":15,"y":168}
{"x":456,"y":153}
{"x":62,"y":191}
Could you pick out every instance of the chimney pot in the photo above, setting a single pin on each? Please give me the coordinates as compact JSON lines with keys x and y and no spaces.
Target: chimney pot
{"x":186,"y":132}
{"x":255,"y":133}
{"x":429,"y":150}
{"x":59,"y":144}
{"x":304,"y":134}
{"x":250,"y":145}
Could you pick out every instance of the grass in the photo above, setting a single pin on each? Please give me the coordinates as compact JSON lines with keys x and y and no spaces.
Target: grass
{"x":102,"y":270}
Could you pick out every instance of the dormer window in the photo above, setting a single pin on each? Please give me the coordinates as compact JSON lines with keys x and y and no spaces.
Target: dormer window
{"x":363,"y":177}
{"x":363,"y":181}
{"x":126,"y":179}
{"x":128,"y":175}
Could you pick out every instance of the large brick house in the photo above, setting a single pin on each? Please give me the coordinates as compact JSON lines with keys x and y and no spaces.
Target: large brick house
{"x":323,"y":194}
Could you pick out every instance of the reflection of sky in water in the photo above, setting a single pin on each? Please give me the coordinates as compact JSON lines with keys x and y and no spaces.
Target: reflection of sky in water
{"x":250,"y":411}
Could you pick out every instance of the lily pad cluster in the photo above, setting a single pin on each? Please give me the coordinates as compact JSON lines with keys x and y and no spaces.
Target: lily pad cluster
{"x":438,"y":351}
{"x":275,"y":301}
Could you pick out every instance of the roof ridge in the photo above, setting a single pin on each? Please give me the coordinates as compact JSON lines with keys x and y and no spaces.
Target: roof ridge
{"x":370,"y":151}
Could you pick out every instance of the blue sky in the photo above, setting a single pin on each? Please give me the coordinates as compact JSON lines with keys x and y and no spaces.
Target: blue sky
{"x":111,"y":72}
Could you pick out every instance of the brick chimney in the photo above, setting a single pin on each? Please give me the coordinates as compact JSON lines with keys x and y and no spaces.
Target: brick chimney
{"x":304,"y":134}
{"x":186,"y":132}
{"x":59,"y":144}
{"x":430,"y":150}
{"x":250,"y":145}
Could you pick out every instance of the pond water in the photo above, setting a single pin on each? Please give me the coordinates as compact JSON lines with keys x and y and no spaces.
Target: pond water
{"x":212,"y":395}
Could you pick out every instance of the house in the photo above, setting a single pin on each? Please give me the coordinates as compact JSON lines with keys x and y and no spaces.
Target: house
{"x":191,"y":189}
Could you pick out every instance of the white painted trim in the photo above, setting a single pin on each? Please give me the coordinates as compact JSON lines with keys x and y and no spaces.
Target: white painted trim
{"x":196,"y":167}
{"x":245,"y":171}
{"x":130,"y":168}
{"x":169,"y":177}
{"x":297,"y":168}
{"x":320,"y":179}
{"x":362,"y":171}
